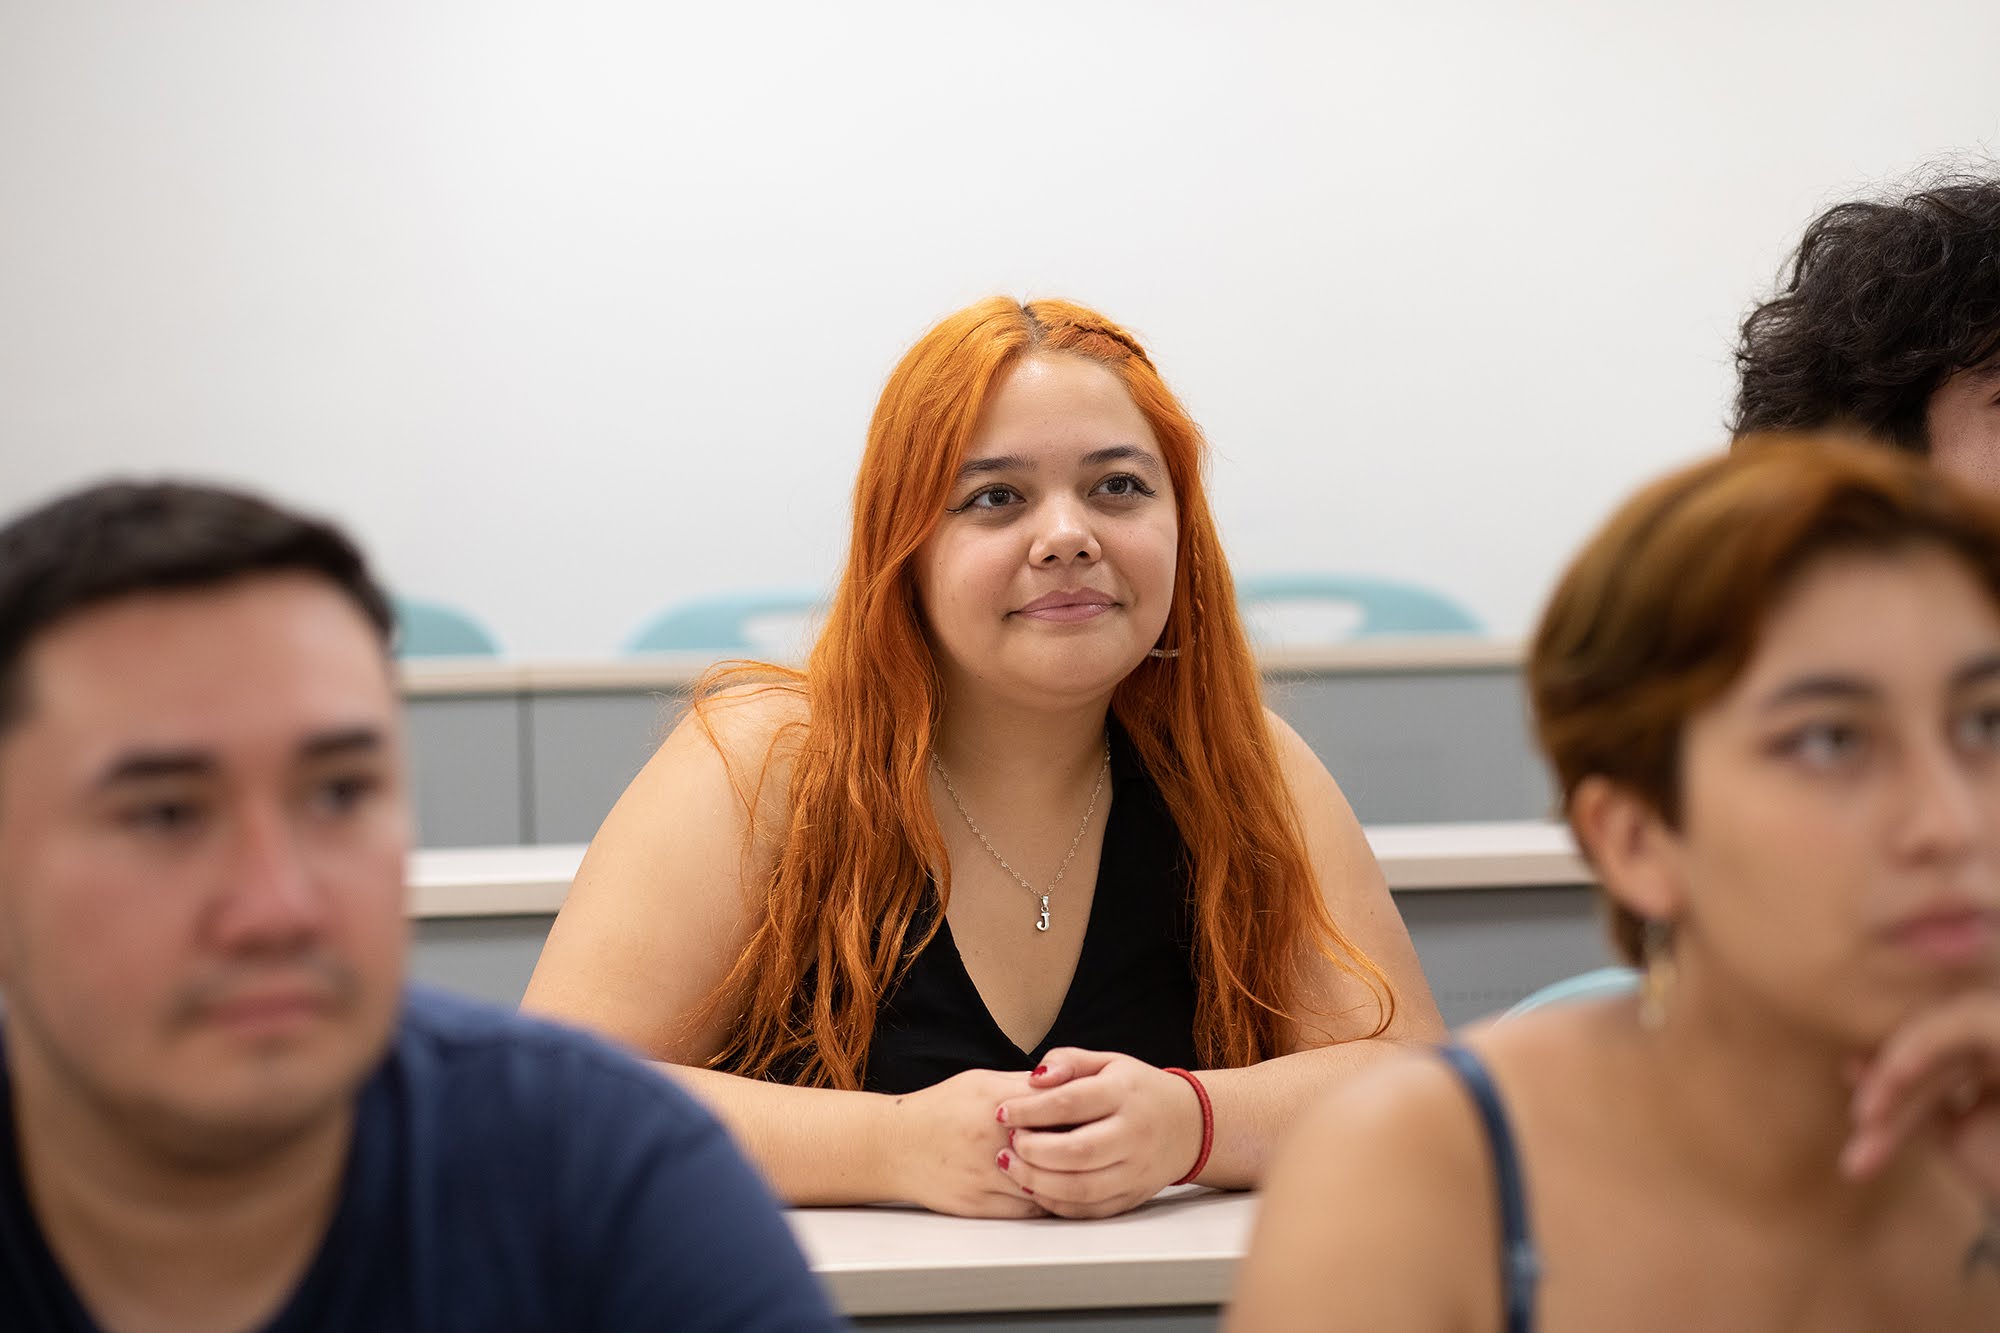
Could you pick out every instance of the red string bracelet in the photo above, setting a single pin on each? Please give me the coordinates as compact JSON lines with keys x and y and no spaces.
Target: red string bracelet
{"x":1207,"y":1125}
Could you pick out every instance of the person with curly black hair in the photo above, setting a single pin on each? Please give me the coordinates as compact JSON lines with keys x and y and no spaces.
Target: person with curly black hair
{"x":1887,"y":321}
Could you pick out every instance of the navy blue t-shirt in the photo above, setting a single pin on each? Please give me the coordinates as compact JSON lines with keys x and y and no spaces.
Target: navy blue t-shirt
{"x":505,"y":1174}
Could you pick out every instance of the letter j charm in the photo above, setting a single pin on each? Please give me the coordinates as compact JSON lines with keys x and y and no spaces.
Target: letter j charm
{"x":1043,"y":924}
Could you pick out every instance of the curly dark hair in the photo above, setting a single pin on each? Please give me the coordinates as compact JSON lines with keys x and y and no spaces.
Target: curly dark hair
{"x":1880,"y":304}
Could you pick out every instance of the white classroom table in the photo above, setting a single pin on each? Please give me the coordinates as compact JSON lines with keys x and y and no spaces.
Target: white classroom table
{"x":1179,"y":1250}
{"x":532,"y":881}
{"x":670,"y":672}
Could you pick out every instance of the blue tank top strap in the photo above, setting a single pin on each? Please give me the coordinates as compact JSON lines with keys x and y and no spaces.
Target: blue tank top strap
{"x":1519,"y":1266}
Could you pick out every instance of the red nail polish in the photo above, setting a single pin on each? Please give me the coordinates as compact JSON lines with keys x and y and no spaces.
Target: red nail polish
{"x":1010,"y":1137}
{"x":1027,"y":1189}
{"x":1004,"y":1160}
{"x":1000,"y":1114}
{"x":1040,"y":1070}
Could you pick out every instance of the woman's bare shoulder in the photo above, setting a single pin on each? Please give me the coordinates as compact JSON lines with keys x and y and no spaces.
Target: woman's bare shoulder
{"x":751,"y":719}
{"x":1381,"y":1192}
{"x":671,"y":887}
{"x":1412,"y":1106}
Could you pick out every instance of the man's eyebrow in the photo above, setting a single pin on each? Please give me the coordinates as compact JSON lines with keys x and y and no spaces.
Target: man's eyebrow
{"x":1976,"y":672}
{"x":348,"y":740}
{"x":146,"y":765}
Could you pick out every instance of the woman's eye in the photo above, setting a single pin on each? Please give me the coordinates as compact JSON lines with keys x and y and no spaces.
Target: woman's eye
{"x":993,"y":497}
{"x":1123,"y":484}
{"x":1825,"y":744}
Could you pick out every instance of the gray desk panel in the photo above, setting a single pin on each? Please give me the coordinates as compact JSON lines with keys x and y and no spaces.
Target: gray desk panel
{"x":466,"y":781}
{"x":1421,"y":747}
{"x":1406,"y":747}
{"x":1483,"y":949}
{"x":586,"y":748}
{"x":486,"y":957}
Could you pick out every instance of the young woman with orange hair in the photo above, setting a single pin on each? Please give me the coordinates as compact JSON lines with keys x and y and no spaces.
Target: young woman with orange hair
{"x":947,"y":916}
{"x":1770,"y":689}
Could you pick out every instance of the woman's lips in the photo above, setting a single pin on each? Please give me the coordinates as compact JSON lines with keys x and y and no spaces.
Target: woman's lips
{"x":1952,"y":937}
{"x":1067,"y":611}
{"x":1067,"y":606}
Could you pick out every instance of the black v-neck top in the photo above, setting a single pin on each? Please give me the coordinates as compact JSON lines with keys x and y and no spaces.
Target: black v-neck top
{"x":1133,"y":990}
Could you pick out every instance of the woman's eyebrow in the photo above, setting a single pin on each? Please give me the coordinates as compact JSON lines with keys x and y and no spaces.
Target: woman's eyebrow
{"x":1122,"y":453}
{"x":1835,"y":686}
{"x":983,"y":467}
{"x":1814,"y":688}
{"x":1111,"y":453}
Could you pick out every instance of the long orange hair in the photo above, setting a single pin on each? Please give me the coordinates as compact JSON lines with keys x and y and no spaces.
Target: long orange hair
{"x":863,"y":844}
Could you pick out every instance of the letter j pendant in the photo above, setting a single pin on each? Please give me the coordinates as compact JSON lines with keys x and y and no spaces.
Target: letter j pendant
{"x":1043,"y":924}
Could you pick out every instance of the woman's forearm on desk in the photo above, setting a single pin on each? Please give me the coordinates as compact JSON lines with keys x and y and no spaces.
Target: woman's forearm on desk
{"x":937,"y":1146}
{"x":1255,"y":1106}
{"x":814,"y":1145}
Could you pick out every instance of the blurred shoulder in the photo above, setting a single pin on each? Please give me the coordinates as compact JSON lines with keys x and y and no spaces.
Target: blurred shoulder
{"x":528,"y":1069}
{"x":1413,"y":1107}
{"x":1381,"y":1192}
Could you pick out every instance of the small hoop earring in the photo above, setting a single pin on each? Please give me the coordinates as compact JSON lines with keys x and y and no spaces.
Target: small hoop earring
{"x":1163,"y":652}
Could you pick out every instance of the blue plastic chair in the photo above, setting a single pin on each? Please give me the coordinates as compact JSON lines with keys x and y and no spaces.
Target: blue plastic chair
{"x":1382,"y":606}
{"x":1599,"y":984}
{"x":430,"y":629}
{"x":753,"y":623}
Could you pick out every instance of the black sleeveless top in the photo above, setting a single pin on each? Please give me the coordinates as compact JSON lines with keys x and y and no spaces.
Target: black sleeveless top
{"x":1133,"y":991}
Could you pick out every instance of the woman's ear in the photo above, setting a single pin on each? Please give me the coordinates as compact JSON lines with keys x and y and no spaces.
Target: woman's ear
{"x":1636,"y":855}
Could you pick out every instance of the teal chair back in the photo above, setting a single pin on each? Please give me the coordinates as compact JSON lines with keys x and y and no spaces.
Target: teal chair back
{"x":431,"y":629}
{"x":742,"y":624}
{"x":1599,"y":984}
{"x":1370,"y":606}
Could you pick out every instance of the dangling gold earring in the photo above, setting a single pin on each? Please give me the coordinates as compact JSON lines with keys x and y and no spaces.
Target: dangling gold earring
{"x":1656,"y":953}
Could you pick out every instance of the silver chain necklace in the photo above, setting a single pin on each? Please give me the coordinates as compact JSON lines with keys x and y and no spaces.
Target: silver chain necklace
{"x":1041,"y":923}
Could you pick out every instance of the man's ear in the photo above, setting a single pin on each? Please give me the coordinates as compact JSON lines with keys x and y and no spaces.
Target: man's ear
{"x":1636,"y":855}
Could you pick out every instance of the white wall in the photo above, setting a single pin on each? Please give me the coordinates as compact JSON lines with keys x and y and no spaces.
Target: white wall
{"x":576,"y":308}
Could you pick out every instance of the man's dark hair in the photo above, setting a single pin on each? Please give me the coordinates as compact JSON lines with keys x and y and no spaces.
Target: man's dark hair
{"x":1881,"y":303}
{"x":121,"y":539}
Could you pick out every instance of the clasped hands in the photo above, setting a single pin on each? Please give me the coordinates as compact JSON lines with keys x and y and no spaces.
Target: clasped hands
{"x":1087,"y":1134}
{"x":1938,"y":1073}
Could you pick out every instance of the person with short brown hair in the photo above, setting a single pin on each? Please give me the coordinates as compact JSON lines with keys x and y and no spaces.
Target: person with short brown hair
{"x":1770,"y":690}
{"x":220,"y":1107}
